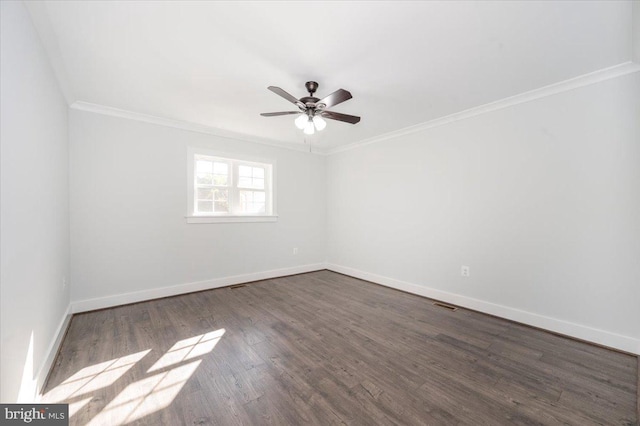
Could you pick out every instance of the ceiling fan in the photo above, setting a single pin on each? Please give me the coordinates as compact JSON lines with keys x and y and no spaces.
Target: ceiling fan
{"x":312,"y":110}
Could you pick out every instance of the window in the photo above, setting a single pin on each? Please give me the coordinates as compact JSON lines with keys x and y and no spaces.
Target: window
{"x":225,"y":189}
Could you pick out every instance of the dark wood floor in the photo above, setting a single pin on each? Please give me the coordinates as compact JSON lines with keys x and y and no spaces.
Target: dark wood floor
{"x":322,"y":348}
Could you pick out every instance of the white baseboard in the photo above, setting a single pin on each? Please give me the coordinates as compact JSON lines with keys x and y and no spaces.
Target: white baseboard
{"x":600,"y":337}
{"x":141,"y":296}
{"x":52,"y":350}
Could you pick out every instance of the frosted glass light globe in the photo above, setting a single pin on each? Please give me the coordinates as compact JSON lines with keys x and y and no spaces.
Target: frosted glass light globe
{"x":308,"y":128}
{"x":319,"y":123}
{"x":301,"y":121}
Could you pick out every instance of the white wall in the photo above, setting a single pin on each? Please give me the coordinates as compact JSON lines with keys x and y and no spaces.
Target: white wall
{"x":541,"y":200}
{"x":34,"y":214}
{"x":128,"y":206}
{"x":635,"y":28}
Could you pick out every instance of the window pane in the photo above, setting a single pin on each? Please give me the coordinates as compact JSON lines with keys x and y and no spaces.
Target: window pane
{"x":221,"y":194}
{"x":221,"y":180}
{"x":245,"y":199}
{"x":204,"y":166}
{"x":247,"y":182}
{"x":222,"y":206}
{"x":252,"y":202}
{"x":204,"y":178}
{"x":258,"y":172}
{"x":220,"y":168}
{"x":244,"y":182}
{"x":244,"y":171}
{"x":205,"y":194}
{"x":205,"y":207}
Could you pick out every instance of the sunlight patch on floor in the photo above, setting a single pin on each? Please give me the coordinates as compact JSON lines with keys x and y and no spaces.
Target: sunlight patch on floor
{"x":94,"y":377}
{"x":145,"y":396}
{"x":76,"y":406}
{"x":141,"y":397}
{"x":188,"y":349}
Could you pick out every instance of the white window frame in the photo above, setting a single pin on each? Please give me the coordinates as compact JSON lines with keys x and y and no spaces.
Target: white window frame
{"x":235,"y":160}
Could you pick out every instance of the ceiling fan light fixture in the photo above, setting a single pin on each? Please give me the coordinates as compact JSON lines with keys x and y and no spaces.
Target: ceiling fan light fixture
{"x":319,"y":123}
{"x":309,"y":128}
{"x":301,"y":121}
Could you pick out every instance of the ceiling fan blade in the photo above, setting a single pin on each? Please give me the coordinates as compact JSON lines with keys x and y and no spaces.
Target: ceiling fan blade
{"x":273,"y":114}
{"x":284,"y":94}
{"x":341,"y":117}
{"x":335,"y":98}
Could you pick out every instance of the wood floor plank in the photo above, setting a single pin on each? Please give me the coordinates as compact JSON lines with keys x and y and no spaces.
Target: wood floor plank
{"x":324,"y":348}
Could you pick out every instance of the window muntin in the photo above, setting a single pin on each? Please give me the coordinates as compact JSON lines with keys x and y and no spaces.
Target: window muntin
{"x":250,"y":177}
{"x":231,"y":187}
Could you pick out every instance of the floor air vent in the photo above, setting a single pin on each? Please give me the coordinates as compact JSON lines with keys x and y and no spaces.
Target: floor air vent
{"x":444,"y":305}
{"x":237,"y":286}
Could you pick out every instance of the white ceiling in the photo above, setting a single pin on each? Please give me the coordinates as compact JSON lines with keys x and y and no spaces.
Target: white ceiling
{"x":405,"y":63}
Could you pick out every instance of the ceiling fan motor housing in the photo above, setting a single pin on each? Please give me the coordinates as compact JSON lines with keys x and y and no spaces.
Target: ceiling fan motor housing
{"x":311,"y":86}
{"x":310,"y":101}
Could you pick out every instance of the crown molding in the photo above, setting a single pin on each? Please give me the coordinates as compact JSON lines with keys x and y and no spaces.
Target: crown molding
{"x":186,"y":125}
{"x":552,"y":89}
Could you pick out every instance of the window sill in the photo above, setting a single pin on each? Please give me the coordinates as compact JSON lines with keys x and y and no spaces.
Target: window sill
{"x":231,"y":219}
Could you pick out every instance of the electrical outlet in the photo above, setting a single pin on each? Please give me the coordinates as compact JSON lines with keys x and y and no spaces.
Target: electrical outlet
{"x":464,"y":271}
{"x":295,"y":250}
